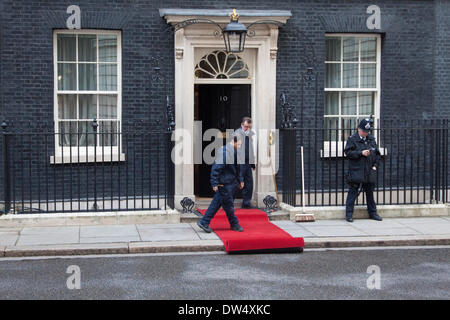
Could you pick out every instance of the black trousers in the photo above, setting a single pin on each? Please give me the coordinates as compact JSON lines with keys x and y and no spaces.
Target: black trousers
{"x":247,"y":191}
{"x":353,"y":194}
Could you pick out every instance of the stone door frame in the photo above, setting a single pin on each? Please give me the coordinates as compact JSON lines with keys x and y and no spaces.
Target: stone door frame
{"x":200,"y":36}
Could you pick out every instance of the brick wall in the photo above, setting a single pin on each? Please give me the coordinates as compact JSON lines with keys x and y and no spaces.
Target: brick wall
{"x":415,"y":76}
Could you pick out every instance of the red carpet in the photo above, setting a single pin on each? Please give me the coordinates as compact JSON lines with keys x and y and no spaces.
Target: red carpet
{"x":259,"y":236}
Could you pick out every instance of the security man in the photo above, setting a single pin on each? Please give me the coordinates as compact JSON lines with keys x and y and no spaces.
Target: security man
{"x":224,"y":179}
{"x":246,"y":161}
{"x":362,"y":151}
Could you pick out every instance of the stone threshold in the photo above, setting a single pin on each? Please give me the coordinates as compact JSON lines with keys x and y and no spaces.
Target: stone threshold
{"x":90,"y":218}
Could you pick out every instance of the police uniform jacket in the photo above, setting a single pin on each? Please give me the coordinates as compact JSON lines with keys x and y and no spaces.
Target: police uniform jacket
{"x":360,"y":167}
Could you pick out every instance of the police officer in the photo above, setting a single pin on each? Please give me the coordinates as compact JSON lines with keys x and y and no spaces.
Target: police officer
{"x":362,"y":151}
{"x":224,"y":179}
{"x":246,"y":161}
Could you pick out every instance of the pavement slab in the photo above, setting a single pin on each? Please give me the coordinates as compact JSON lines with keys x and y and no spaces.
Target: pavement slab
{"x":286,"y":224}
{"x":8,"y":238}
{"x":300,"y":232}
{"x":402,"y":231}
{"x":46,"y":239}
{"x":432,"y":228}
{"x":335,"y":231}
{"x":324,"y":223}
{"x":108,"y":231}
{"x":166,"y":234}
{"x":49,"y":230}
{"x":369,"y":224}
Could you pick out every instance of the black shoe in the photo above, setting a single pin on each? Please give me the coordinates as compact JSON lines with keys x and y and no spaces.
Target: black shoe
{"x":349,"y":219}
{"x":248,"y":206}
{"x":376,"y":217}
{"x":237,"y":228}
{"x":207,"y":229}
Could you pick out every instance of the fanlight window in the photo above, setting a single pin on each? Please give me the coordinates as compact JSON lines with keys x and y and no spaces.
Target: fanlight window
{"x":221,"y":65}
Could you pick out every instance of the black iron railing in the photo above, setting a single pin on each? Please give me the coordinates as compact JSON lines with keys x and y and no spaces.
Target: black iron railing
{"x":413,"y":167}
{"x":73,"y":170}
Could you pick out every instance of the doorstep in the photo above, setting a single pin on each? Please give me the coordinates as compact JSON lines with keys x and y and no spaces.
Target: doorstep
{"x":274,"y":216}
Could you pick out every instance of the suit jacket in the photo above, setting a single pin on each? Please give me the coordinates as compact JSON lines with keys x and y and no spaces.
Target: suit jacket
{"x":246,"y":152}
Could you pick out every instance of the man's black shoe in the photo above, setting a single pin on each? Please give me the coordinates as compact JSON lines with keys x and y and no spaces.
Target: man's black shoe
{"x":248,"y":206}
{"x":207,"y":229}
{"x":376,"y":217}
{"x":349,"y":219}
{"x":237,"y":228}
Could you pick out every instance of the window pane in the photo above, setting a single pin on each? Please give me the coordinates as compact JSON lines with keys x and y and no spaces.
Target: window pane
{"x":348,"y":103}
{"x":107,"y":106}
{"x":87,"y":47}
{"x":350,"y":78}
{"x":88,"y":106}
{"x":350,"y":48}
{"x":333,"y":76}
{"x":86,"y":133}
{"x":66,"y":47}
{"x":88,"y":76}
{"x":67,"y":106}
{"x":221,"y":56}
{"x":331,"y":124}
{"x":108,"y":77}
{"x":107,"y":48}
{"x":332,"y":103}
{"x":348,"y":126}
{"x":230,"y":61}
{"x":368,"y":75}
{"x":67,"y":76}
{"x":366,"y":103}
{"x":333,"y":49}
{"x":68,"y":134}
{"x":368,"y":49}
{"x":108,"y":133}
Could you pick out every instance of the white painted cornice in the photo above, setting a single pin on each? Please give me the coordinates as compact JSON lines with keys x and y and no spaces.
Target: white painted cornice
{"x":220,"y":16}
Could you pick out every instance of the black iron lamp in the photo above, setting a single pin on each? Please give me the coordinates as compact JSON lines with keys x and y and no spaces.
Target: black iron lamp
{"x":234,"y":34}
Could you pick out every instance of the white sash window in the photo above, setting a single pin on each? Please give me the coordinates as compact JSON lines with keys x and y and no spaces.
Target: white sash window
{"x":352,"y":85}
{"x":87,"y":71}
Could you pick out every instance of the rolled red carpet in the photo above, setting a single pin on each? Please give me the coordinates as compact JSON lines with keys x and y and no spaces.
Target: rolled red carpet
{"x":259,"y":236}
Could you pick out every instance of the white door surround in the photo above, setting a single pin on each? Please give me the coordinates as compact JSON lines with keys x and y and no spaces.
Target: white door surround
{"x":191,"y":43}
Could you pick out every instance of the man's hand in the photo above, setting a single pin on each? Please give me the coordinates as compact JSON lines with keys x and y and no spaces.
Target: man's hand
{"x":241,"y":185}
{"x":215,"y":189}
{"x":374,"y":168}
{"x":366,"y":153}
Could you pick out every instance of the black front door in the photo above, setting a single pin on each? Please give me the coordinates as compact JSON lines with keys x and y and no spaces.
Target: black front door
{"x":219,"y":106}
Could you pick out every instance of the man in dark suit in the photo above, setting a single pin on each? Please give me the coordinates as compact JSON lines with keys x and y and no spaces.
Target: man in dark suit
{"x":246,"y":160}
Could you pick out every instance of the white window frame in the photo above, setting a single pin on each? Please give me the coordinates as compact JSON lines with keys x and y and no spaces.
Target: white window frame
{"x":83,"y":154}
{"x":329,"y":147}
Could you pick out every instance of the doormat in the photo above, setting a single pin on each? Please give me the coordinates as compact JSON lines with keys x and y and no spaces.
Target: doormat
{"x":259,"y":235}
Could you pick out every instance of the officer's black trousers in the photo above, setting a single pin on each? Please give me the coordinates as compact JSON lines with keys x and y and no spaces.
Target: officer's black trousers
{"x":353,"y":194}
